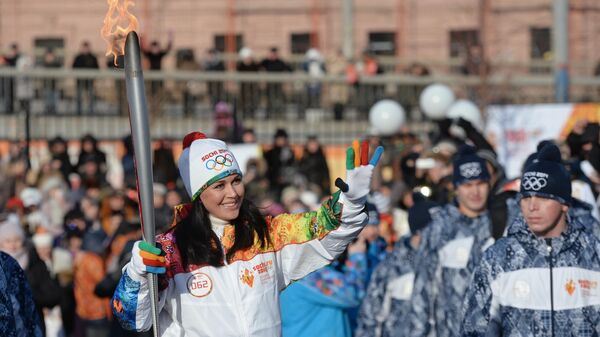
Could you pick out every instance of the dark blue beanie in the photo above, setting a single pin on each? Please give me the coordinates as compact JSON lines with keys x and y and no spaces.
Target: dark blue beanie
{"x":532,"y":157}
{"x":469,"y":166}
{"x":373,"y":213}
{"x":547,"y":177}
{"x":419,"y":215}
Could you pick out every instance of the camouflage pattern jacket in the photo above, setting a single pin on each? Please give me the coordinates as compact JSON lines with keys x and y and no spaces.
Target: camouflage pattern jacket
{"x":385,"y":309}
{"x":452,"y":246}
{"x":529,"y":286}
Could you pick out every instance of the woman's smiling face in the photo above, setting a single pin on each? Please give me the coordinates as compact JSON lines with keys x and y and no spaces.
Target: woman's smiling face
{"x":223,"y":199}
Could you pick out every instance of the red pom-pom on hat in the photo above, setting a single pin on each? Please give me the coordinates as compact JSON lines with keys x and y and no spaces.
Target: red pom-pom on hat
{"x":191,"y":137}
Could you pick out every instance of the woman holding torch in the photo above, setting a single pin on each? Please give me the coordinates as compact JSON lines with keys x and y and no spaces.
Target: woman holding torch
{"x":223,"y":265}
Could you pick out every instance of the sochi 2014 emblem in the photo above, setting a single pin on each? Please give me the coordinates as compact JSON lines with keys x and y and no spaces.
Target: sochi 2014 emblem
{"x":534,"y":181}
{"x":219,"y":162}
{"x":199,"y":284}
{"x":470,"y":170}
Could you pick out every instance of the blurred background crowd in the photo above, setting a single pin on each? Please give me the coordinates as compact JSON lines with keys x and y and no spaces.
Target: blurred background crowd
{"x":71,"y":230}
{"x":289,"y":104}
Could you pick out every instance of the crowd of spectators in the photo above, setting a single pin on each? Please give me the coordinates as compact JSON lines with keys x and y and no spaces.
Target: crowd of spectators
{"x":71,"y":229}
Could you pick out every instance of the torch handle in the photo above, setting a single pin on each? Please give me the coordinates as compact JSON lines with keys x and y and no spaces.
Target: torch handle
{"x":140,"y":134}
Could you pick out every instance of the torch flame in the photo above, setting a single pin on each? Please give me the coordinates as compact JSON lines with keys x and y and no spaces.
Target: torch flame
{"x":114,"y":31}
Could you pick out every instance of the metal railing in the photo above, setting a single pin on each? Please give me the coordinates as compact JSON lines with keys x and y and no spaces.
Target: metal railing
{"x":74,"y":102}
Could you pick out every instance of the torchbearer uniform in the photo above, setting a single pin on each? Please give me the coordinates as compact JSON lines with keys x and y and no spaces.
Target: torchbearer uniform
{"x":451,"y":247}
{"x":528,"y":285}
{"x":240,"y":298}
{"x":385,"y":309}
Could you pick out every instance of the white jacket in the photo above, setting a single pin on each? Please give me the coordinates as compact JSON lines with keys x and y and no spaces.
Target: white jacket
{"x":242,"y":297}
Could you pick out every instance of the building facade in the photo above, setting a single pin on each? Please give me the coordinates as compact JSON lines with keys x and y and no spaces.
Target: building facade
{"x":432,"y":31}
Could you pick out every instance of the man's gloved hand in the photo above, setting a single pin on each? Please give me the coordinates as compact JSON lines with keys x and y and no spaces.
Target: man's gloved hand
{"x":146,"y":258}
{"x":465,"y":124}
{"x":359,"y":170}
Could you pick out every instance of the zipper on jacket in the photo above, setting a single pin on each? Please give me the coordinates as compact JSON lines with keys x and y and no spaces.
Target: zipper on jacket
{"x":239,"y":308}
{"x":549,"y":245}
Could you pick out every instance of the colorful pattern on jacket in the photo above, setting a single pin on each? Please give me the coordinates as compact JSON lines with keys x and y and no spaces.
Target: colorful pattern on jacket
{"x":320,"y":303}
{"x":510,"y":294}
{"x":18,"y":317}
{"x":385,"y":309}
{"x":376,"y":253}
{"x":452,"y":246}
{"x":347,"y":282}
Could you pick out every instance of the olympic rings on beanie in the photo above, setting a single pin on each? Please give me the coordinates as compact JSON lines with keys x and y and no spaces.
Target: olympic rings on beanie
{"x":219,"y":162}
{"x":205,"y":161}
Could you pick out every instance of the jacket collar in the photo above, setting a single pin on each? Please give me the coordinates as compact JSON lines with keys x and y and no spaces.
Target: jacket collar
{"x":455,"y":213}
{"x":520,"y":230}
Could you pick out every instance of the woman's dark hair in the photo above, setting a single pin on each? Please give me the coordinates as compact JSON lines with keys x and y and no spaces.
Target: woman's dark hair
{"x":199,"y":245}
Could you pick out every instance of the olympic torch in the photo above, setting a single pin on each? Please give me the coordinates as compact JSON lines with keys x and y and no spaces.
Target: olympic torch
{"x":140,"y":133}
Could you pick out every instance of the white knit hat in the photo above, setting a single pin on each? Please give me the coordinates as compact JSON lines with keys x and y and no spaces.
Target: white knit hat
{"x":62,"y":261}
{"x":11,"y":227}
{"x":203,"y":162}
{"x":41,"y":240}
{"x":31,"y":196}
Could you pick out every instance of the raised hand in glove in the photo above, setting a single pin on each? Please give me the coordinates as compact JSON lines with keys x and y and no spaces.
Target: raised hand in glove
{"x":359,"y":170}
{"x":465,"y":124}
{"x":146,"y":258}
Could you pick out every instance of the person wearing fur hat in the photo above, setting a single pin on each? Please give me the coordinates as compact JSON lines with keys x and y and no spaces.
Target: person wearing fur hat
{"x":387,"y":304}
{"x":542,"y":278}
{"x":451,"y":246}
{"x":222,"y":265}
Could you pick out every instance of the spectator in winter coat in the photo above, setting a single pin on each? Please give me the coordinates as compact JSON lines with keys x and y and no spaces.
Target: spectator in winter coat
{"x":314,"y":165}
{"x":60,"y":157}
{"x":91,"y":152}
{"x":85,"y":60}
{"x":92,"y":311}
{"x":280,"y":162}
{"x":249,"y":91}
{"x":274,"y":90}
{"x":164,"y":168}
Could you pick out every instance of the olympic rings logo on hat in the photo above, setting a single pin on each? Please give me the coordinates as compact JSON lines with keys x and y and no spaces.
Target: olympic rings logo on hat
{"x":534,"y":183}
{"x":470,"y":170}
{"x":219,"y":162}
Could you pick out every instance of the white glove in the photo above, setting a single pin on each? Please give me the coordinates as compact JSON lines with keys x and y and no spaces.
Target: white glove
{"x":146,"y":258}
{"x":359,"y":171}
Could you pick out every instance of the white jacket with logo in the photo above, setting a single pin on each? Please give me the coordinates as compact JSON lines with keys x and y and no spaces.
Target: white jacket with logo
{"x":242,"y":297}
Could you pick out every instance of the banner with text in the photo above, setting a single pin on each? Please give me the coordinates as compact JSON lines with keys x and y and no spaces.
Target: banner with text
{"x":515,"y":130}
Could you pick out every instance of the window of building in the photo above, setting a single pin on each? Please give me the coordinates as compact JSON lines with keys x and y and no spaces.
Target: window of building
{"x":462,"y":40}
{"x":299,"y":43}
{"x":540,"y":42}
{"x":540,"y":49}
{"x":219,"y":42}
{"x":460,"y":43}
{"x":184,"y":56}
{"x":382,"y":43}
